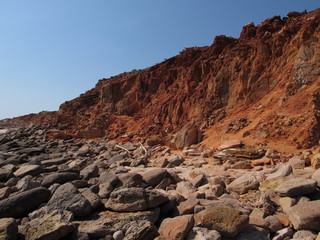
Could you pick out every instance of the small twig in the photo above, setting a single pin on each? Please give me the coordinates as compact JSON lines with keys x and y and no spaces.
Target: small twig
{"x":123,"y":149}
{"x":145,"y":150}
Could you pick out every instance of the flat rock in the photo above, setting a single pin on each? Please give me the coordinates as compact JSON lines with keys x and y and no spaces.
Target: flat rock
{"x":143,"y":230}
{"x":306,"y":216}
{"x":177,"y":227}
{"x":154,"y":176}
{"x":53,"y":225}
{"x":107,"y":222}
{"x":109,"y":178}
{"x":28,"y":170}
{"x":304,"y":235}
{"x":21,"y":204}
{"x":227,"y":221}
{"x":52,"y":162}
{"x":283,"y":171}
{"x":90,"y":171}
{"x":67,"y":197}
{"x":243,"y":184}
{"x":230,"y":144}
{"x":60,"y":178}
{"x":135,"y":199}
{"x":130,"y":179}
{"x":8,"y":229}
{"x":296,"y":187}
{"x":316,"y":176}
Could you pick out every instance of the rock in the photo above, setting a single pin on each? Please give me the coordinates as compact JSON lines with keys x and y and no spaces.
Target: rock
{"x":83,"y":151}
{"x":306,"y":216}
{"x":185,"y":188}
{"x":109,"y":177}
{"x":21,"y":204}
{"x":60,"y":178}
{"x":296,"y":162}
{"x":90,"y":171}
{"x":106,"y":222}
{"x":187,"y":136}
{"x":130,"y":179}
{"x":53,"y":225}
{"x":316,"y":176}
{"x":53,"y":162}
{"x":67,"y":197}
{"x":304,"y":235}
{"x":315,"y":160}
{"x":273,"y":183}
{"x":92,"y":198}
{"x":286,"y":203}
{"x":283,"y":171}
{"x":143,"y":230}
{"x":254,"y":233}
{"x":134,"y":199}
{"x":5,"y":174}
{"x":177,"y":227}
{"x":227,"y":221}
{"x":283,"y":234}
{"x":118,"y":235}
{"x":296,"y":187}
{"x":230,"y":144}
{"x":243,"y":184}
{"x":153,"y":177}
{"x":8,"y":229}
{"x":5,"y":192}
{"x":196,"y":182}
{"x":274,"y":223}
{"x":24,"y":170}
{"x":198,"y":233}
{"x":187,"y":207}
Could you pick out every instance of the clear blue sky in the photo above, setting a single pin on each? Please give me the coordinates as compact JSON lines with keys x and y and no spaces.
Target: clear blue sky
{"x":51,"y":51}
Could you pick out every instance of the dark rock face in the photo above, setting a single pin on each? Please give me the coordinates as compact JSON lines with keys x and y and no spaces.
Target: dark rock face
{"x":59,"y":178}
{"x":21,"y":204}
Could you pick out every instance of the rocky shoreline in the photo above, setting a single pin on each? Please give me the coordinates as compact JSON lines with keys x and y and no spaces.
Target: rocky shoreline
{"x":107,"y":189}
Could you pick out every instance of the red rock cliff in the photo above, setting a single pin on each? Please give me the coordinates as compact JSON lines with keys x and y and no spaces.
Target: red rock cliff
{"x":262,"y":88}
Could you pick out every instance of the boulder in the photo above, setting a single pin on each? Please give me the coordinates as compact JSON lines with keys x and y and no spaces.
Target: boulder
{"x":21,"y":204}
{"x":296,"y":187}
{"x":67,"y":197}
{"x":135,"y":199}
{"x":130,"y":179}
{"x":227,"y":221}
{"x":306,"y":216}
{"x":283,"y":171}
{"x":243,"y":184}
{"x":304,"y":235}
{"x":177,"y":227}
{"x":8,"y":229}
{"x":154,"y":176}
{"x":109,"y":177}
{"x":90,"y":171}
{"x":315,"y":160}
{"x":53,"y":225}
{"x":187,"y":136}
{"x":60,"y":178}
{"x":316,"y":176}
{"x":143,"y":230}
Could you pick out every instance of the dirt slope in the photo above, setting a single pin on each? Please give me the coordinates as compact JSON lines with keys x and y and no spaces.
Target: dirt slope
{"x":261,"y":88}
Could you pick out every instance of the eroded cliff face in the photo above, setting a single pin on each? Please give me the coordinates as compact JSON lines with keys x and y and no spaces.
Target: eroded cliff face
{"x":262,"y":88}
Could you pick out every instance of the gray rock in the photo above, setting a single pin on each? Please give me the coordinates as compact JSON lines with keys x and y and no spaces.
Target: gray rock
{"x":22,"y":203}
{"x":187,"y":136}
{"x":134,"y":199}
{"x":5,"y":174}
{"x":24,"y":170}
{"x":83,"y":151}
{"x":60,"y":178}
{"x":130,"y":179}
{"x":306,"y":216}
{"x":90,"y":171}
{"x":67,"y":197}
{"x":93,"y":198}
{"x":109,"y":177}
{"x":283,"y":171}
{"x":8,"y":229}
{"x":304,"y":235}
{"x":243,"y":184}
{"x":296,"y":187}
{"x":155,"y":176}
{"x":316,"y":176}
{"x":52,"y":162}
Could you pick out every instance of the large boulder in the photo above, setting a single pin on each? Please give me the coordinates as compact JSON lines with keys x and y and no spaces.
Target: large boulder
{"x":227,"y":221}
{"x":243,"y":184}
{"x":67,"y":197}
{"x":296,"y":187}
{"x":135,"y":199}
{"x":154,"y":176}
{"x":306,"y":216}
{"x":187,"y":136}
{"x":23,"y":203}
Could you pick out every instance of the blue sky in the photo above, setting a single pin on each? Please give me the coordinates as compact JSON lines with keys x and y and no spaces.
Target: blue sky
{"x":51,"y":51}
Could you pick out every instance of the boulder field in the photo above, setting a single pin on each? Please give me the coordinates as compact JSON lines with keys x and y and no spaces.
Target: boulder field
{"x":107,"y":189}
